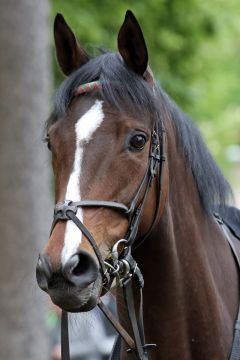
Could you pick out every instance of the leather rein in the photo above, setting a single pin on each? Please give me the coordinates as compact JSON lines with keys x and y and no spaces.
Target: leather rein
{"x":120,"y":265}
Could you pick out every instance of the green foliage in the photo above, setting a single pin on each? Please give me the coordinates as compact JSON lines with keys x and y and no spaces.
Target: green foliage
{"x":194,"y":52}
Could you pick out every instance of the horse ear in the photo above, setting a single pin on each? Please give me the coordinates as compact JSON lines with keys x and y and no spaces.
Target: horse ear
{"x":131,"y":44}
{"x":70,"y":54}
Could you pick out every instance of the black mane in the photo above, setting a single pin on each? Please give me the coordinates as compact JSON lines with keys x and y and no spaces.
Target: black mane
{"x":121,"y":86}
{"x":214,"y":190}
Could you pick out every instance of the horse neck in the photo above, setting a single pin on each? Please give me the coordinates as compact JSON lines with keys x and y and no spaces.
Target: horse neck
{"x":179,"y":279}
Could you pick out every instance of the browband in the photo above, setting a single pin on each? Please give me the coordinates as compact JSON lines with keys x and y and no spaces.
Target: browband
{"x":87,"y":88}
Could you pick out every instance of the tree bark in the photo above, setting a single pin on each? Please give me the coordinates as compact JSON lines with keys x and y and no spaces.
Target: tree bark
{"x":24,"y":176}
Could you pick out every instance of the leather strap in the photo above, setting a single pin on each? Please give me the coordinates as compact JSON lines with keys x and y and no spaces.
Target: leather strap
{"x":122,"y":332}
{"x":65,"y":355}
{"x":116,"y":350}
{"x":156,"y":158}
{"x":101,"y":203}
{"x":235,"y":351}
{"x":138,"y":334}
{"x":91,"y":240}
{"x":159,"y":190}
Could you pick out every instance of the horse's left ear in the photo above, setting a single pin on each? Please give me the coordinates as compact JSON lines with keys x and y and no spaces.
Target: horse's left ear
{"x":131,"y":44}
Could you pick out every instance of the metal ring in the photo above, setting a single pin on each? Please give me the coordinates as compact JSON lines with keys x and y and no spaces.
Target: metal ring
{"x":115,"y":246}
{"x":115,"y":269}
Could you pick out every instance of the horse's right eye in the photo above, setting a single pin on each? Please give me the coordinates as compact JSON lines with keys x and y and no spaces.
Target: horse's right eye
{"x":47,"y":140}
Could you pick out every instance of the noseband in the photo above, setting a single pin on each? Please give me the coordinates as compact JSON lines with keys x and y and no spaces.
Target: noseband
{"x":121,"y":266}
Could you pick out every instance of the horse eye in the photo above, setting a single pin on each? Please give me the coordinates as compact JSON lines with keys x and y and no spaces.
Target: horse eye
{"x":137,"y":142}
{"x":47,"y":140}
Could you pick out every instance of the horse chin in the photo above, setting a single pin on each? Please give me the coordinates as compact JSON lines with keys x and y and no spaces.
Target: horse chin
{"x":74,"y":299}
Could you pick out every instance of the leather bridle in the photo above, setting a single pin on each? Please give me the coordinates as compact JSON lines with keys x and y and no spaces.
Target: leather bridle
{"x":121,"y":265}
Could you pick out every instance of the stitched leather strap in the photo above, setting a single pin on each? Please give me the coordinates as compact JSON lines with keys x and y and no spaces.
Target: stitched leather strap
{"x":65,"y":355}
{"x":116,"y":350}
{"x":85,"y":231}
{"x":122,"y":332}
{"x":138,"y":333}
{"x":101,"y":203}
{"x":235,"y":351}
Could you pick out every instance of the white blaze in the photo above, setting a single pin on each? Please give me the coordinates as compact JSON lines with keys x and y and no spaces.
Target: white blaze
{"x":84,"y":129}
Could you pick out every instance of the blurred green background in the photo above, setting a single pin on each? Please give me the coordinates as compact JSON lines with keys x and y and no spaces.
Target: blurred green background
{"x":194,"y":51}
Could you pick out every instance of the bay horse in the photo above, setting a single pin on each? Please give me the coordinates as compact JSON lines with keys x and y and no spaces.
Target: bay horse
{"x":122,"y":150}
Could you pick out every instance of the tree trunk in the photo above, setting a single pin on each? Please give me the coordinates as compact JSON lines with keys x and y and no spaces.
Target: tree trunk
{"x":24,"y":175}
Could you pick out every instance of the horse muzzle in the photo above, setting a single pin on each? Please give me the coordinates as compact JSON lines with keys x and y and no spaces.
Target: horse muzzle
{"x":76,"y":286}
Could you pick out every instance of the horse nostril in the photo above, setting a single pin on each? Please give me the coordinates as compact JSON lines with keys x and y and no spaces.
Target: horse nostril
{"x":81,"y":269}
{"x":43,"y":272}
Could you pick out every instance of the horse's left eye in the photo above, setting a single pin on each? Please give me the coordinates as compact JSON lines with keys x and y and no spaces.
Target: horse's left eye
{"x":137,"y":142}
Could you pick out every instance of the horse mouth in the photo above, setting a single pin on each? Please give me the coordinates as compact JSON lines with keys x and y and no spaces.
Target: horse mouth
{"x":75,"y":299}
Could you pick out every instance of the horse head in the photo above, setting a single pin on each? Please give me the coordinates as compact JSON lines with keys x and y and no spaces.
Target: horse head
{"x":104,"y":144}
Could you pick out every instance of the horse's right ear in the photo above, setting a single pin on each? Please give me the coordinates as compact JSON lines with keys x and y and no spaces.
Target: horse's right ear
{"x":70,"y":54}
